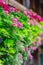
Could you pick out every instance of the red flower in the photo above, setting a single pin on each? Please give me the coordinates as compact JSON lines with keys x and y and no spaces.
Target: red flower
{"x":6,"y":7}
{"x":1,"y":4}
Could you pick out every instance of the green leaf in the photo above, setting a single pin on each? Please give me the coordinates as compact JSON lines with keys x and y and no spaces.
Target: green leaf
{"x":9,"y":42}
{"x":11,"y":50}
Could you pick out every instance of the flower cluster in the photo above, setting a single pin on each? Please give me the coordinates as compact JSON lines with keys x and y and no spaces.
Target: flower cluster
{"x":30,"y":14}
{"x":16,"y":23}
{"x":19,"y":34}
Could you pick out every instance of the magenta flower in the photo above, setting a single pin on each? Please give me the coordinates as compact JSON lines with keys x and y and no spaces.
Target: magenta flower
{"x":31,"y":57}
{"x":16,"y":23}
{"x":1,"y":4}
{"x":13,"y":9}
{"x":5,"y":11}
{"x":14,"y":20}
{"x":39,"y":17}
{"x":6,"y":7}
{"x":20,"y":25}
{"x":30,"y":13}
{"x":25,"y":12}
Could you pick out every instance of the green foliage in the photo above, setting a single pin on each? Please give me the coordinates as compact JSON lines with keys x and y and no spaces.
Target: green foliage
{"x":13,"y":39}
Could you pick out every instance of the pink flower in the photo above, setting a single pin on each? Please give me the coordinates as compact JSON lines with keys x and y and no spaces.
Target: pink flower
{"x":21,"y":56}
{"x":38,"y":38}
{"x":29,"y":53}
{"x":34,"y":14}
{"x":26,"y":49}
{"x":25,"y":12}
{"x":31,"y":57}
{"x":13,"y":9}
{"x":5,"y":11}
{"x":20,"y":25}
{"x":29,"y":16}
{"x":39,"y":17}
{"x":40,"y":43}
{"x":34,"y":22}
{"x":30,"y":12}
{"x":42,"y":19}
{"x":33,"y":48}
{"x":34,"y":43}
{"x":15,"y":25}
{"x":14,"y":20}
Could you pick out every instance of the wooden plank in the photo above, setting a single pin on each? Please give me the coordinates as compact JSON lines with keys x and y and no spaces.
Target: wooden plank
{"x":16,"y":4}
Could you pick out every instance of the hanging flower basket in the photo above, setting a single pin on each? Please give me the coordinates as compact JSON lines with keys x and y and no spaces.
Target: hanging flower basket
{"x":19,"y":34}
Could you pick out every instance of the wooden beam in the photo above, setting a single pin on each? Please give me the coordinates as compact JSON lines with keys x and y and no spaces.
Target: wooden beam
{"x":16,"y":4}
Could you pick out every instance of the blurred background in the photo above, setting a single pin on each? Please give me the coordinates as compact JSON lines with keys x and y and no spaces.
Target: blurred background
{"x":36,"y":5}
